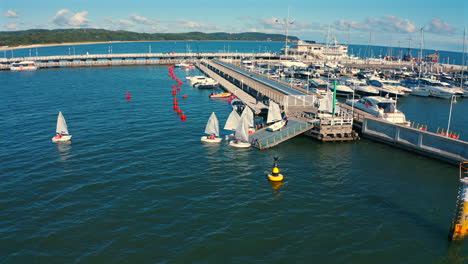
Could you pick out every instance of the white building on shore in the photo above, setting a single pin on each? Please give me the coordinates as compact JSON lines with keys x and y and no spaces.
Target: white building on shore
{"x":307,"y":50}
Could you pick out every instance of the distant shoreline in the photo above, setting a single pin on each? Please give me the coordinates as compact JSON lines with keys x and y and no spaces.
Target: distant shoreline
{"x":118,"y":41}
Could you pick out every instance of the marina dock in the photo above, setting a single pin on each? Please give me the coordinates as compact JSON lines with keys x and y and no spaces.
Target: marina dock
{"x":303,"y":116}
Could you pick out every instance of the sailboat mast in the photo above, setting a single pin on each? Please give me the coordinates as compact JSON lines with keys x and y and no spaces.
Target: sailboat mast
{"x":420,"y":58}
{"x":463,"y":61}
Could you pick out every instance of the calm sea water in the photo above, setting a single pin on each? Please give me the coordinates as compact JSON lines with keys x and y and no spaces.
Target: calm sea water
{"x":136,"y":185}
{"x":362,"y":51}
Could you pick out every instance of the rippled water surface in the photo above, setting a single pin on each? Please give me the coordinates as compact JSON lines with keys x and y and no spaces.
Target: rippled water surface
{"x":136,"y":185}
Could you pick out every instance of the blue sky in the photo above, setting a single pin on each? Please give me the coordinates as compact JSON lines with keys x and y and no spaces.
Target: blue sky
{"x":388,"y":23}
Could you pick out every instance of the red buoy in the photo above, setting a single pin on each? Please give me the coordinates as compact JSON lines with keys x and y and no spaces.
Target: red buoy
{"x":128,"y":96}
{"x":183,"y":117}
{"x":176,"y":107}
{"x":179,"y":112}
{"x":174,"y":93}
{"x":185,"y":96}
{"x":178,"y":88}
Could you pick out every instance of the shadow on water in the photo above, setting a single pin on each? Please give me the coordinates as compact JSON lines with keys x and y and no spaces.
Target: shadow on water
{"x":412,"y":217}
{"x":454,"y":253}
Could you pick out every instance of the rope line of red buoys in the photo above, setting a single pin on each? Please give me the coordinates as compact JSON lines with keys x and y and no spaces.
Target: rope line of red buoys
{"x":175,"y":91}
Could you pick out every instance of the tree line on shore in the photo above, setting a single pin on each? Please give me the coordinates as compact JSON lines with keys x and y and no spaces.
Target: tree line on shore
{"x":45,"y":36}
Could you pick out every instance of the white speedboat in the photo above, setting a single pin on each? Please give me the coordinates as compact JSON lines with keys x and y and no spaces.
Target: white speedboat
{"x":341,"y":88}
{"x":417,"y":91}
{"x":381,"y":107}
{"x":319,"y":86}
{"x":397,"y":85}
{"x":436,"y":88}
{"x":385,"y":89}
{"x":212,"y":129}
{"x":184,"y":65}
{"x":195,"y":79}
{"x":61,"y":130}
{"x":208,"y":83}
{"x":23,"y":66}
{"x":360,"y":87}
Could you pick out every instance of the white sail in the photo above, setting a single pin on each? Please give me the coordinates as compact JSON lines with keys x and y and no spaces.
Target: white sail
{"x":61,"y":125}
{"x":233,"y":121}
{"x":249,"y":115}
{"x":274,"y":112}
{"x":326,"y":103}
{"x":242,"y":130}
{"x":212,"y":126}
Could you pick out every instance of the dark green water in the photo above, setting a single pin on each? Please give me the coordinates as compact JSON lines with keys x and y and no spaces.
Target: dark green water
{"x":137,"y":186}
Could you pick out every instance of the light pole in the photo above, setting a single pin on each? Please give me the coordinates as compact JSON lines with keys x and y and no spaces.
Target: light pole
{"x":452,"y":99}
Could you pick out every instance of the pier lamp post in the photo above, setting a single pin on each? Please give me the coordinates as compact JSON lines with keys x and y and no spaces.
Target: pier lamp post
{"x":452,"y":100}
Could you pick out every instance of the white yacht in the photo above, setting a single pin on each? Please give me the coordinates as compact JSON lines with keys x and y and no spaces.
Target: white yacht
{"x":385,"y":89}
{"x":360,"y":87}
{"x":341,"y":88}
{"x":436,"y":88}
{"x":380,"y":107}
{"x":396,"y":85}
{"x":319,"y":86}
{"x":23,"y":66}
{"x":195,"y":79}
{"x":208,"y":83}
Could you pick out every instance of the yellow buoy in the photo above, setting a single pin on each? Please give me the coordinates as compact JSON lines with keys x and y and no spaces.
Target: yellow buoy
{"x":275,"y":174}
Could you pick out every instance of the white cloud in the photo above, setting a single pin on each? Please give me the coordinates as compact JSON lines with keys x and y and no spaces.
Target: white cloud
{"x":11,"y":27}
{"x":141,"y":20}
{"x":438,"y":26}
{"x":79,"y":19}
{"x":125,"y":23}
{"x":387,"y":23}
{"x":65,"y":18}
{"x":11,"y":14}
{"x":192,"y":25}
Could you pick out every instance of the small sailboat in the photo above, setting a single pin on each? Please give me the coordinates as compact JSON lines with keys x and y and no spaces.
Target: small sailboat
{"x":62,"y":130}
{"x":212,"y":129}
{"x":242,"y":134}
{"x":274,"y":117}
{"x":233,"y":121}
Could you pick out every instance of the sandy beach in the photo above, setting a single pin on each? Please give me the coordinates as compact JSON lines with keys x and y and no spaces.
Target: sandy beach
{"x":58,"y":44}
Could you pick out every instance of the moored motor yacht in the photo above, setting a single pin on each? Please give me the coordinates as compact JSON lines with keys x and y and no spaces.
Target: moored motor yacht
{"x":436,"y":88}
{"x":23,"y":66}
{"x":208,"y":83}
{"x":360,"y":87}
{"x":385,"y":89}
{"x":381,"y":107}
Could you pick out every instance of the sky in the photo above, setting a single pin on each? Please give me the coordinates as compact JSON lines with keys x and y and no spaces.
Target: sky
{"x":396,"y":23}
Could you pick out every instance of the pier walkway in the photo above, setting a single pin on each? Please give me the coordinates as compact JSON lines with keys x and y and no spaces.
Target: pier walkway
{"x":422,"y":142}
{"x":263,"y":139}
{"x":89,"y":60}
{"x":249,"y":100}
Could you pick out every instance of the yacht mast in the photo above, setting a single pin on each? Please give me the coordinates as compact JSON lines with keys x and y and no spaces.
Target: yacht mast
{"x":463,"y":61}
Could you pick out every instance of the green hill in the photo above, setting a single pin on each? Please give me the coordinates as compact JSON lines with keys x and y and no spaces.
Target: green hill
{"x":45,"y":36}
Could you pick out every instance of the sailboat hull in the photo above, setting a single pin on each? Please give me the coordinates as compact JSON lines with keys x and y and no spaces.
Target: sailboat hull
{"x":276,"y":126}
{"x":62,"y":138}
{"x":209,"y":140}
{"x":239,"y":144}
